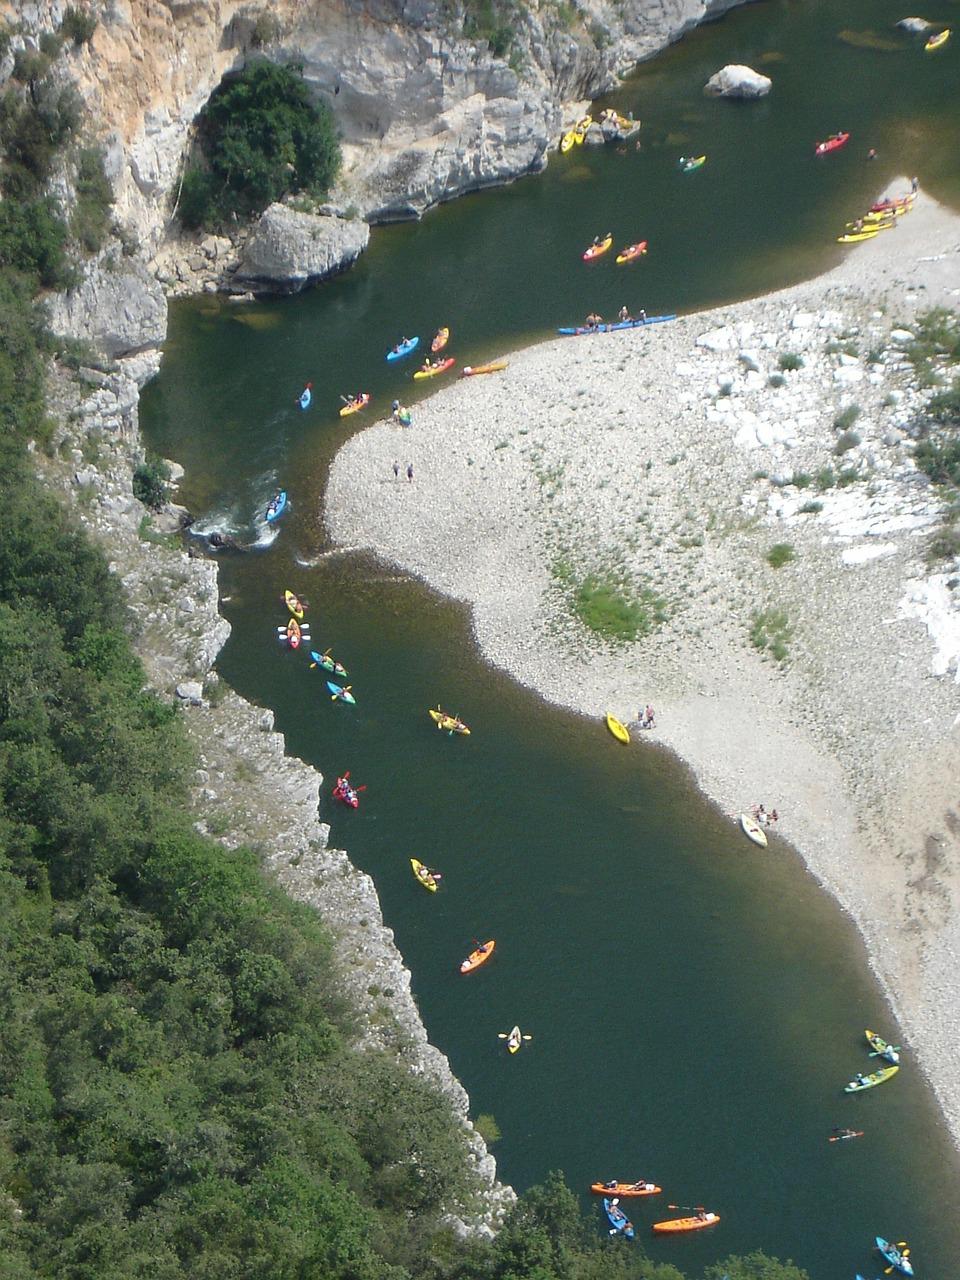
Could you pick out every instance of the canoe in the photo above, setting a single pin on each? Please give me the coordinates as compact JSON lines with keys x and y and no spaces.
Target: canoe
{"x":936,"y":41}
{"x":355,"y":406}
{"x":580,"y":330}
{"x":423,"y":875}
{"x":449,"y":724}
{"x":753,"y":830}
{"x":831,"y":144}
{"x":476,"y":958}
{"x":493,"y":366}
{"x":619,"y":730}
{"x":870,"y":1081}
{"x":306,"y":395}
{"x":855,"y":237}
{"x":619,"y":1222}
{"x":894,"y":1256}
{"x":632,"y":251}
{"x":294,"y":604}
{"x":403,"y":349}
{"x":625,"y":1189}
{"x":346,"y":794}
{"x":595,"y":250}
{"x":697,"y":1223}
{"x":440,"y":367}
{"x":340,"y":693}
{"x":687,"y":165}
{"x":325,"y":661}
{"x":441,"y":340}
{"x":276,"y":506}
{"x":881,"y":1048}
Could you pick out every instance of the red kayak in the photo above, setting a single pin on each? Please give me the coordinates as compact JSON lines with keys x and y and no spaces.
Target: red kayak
{"x":900,"y":202}
{"x":833,"y":143}
{"x":345,"y":793}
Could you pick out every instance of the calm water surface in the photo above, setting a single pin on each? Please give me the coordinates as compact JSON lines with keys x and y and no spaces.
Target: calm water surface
{"x":695,"y":1005}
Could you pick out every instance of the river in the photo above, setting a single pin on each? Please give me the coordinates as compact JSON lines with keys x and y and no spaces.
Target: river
{"x":695,"y":1006}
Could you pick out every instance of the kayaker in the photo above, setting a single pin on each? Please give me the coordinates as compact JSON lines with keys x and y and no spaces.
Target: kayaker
{"x":624,"y":314}
{"x":611,"y":1185}
{"x":639,"y":1186}
{"x":593,"y":320}
{"x":642,"y":316}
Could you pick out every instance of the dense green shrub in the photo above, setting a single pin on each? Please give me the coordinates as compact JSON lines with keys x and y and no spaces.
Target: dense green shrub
{"x":259,"y":137}
{"x":150,"y":483}
{"x":90,"y":220}
{"x":34,"y":127}
{"x":78,"y":25}
{"x":33,"y":238}
{"x":939,"y":457}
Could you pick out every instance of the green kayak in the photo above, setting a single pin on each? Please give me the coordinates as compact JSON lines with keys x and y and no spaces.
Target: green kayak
{"x":867,"y":1082}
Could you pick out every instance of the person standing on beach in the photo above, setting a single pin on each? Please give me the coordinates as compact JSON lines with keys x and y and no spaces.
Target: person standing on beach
{"x":396,"y":470}
{"x":409,"y":470}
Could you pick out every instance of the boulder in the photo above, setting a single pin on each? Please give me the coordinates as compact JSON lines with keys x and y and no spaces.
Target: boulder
{"x":289,"y":251}
{"x":914,"y":26}
{"x":118,"y":307}
{"x":736,"y":81}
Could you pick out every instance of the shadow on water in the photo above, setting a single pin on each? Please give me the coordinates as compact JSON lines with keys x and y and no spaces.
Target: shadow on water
{"x":696,"y":1004}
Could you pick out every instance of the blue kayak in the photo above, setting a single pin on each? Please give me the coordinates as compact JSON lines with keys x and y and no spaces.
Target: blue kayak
{"x":340,"y":693}
{"x":306,"y":395}
{"x":620,"y":1224}
{"x":893,"y":1255}
{"x":403,"y":349}
{"x":611,"y":328}
{"x":277,"y":506}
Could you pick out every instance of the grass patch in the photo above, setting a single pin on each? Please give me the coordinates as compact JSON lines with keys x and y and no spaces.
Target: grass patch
{"x":811,"y":508}
{"x":776,"y":380}
{"x":846,"y":476}
{"x":790,"y":361}
{"x":609,"y":605}
{"x":825,"y":478}
{"x":847,"y":417}
{"x":944,"y":545}
{"x":848,"y":440}
{"x":771,"y":632}
{"x":780,"y":553}
{"x":935,"y":342}
{"x":801,"y":480}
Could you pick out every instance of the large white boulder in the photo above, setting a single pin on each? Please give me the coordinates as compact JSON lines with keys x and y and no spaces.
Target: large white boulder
{"x":290,"y":250}
{"x":736,"y":81}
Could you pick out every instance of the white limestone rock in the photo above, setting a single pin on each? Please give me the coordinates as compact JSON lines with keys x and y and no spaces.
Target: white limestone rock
{"x":738,"y":81}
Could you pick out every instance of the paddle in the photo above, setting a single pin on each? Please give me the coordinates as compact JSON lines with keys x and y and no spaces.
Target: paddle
{"x":696,"y":1208}
{"x":505,"y":1035}
{"x":340,"y":692}
{"x":878,"y":1053}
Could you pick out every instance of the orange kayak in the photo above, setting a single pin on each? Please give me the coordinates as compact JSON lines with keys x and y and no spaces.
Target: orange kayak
{"x":441,"y":340}
{"x":354,"y":406}
{"x":687,"y":1224}
{"x":632,"y":251}
{"x":476,"y":958}
{"x":494,"y":366}
{"x":625,"y":1189}
{"x":595,"y":250}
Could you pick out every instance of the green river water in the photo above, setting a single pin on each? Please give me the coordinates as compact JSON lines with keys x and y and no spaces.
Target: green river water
{"x":695,"y":1005}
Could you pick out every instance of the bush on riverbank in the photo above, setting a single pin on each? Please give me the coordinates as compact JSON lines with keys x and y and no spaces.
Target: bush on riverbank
{"x":259,"y":137}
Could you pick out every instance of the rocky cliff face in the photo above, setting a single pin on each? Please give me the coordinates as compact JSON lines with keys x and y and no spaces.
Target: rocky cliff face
{"x":424,"y":115}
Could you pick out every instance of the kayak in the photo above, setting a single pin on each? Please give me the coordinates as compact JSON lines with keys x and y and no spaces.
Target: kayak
{"x":345,"y":793}
{"x":891,"y":211}
{"x":340,"y":693}
{"x":449,"y":724}
{"x":694,"y":162}
{"x":354,"y":406}
{"x":832,"y":144}
{"x":625,"y":1189}
{"x":612,"y":328}
{"x":687,"y":1224}
{"x":476,"y":958}
{"x":846,"y":1135}
{"x":292,"y":633}
{"x":871,"y":222}
{"x":870,"y":1081}
{"x":632,"y":251}
{"x":568,"y":139}
{"x":432,"y":370}
{"x":897,"y":202}
{"x":329,"y":664}
{"x":620,"y":1224}
{"x":403,"y":349}
{"x":753,"y":830}
{"x":306,"y":395}
{"x":294,"y":605}
{"x":619,"y":731}
{"x":276,"y":506}
{"x":896,"y":1255}
{"x":855,"y":237}
{"x":423,"y":875}
{"x":936,"y":41}
{"x":514,"y":1039}
{"x":880,"y":1047}
{"x":440,"y":341}
{"x":494,"y":366}
{"x":595,"y":250}
{"x":581,"y":129}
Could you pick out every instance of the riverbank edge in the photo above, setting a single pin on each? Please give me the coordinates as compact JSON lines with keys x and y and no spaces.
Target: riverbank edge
{"x":854,"y":851}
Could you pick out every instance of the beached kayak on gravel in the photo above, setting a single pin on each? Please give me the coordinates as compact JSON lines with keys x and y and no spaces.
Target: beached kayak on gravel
{"x":753,"y":830}
{"x":492,"y":366}
{"x":581,"y":329}
{"x":617,"y":728}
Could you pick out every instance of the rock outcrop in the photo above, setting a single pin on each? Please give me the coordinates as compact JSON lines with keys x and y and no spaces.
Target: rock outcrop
{"x":736,"y":81}
{"x":289,"y":250}
{"x":914,"y":26}
{"x":118,"y":307}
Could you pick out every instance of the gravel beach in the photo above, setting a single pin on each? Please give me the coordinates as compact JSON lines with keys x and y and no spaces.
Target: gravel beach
{"x":667,"y":463}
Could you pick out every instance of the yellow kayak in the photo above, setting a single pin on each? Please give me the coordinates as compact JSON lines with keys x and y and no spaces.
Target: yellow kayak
{"x":936,"y":41}
{"x":431,"y":370}
{"x":424,"y":875}
{"x":355,"y":405}
{"x":855,"y":237}
{"x":568,"y":139}
{"x":619,"y":731}
{"x":580,"y":132}
{"x":294,"y":604}
{"x":448,"y":724}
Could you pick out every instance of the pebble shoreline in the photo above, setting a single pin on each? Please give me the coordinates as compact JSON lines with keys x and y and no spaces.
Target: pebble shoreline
{"x":666,"y":458}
